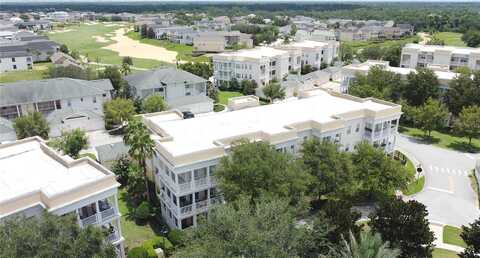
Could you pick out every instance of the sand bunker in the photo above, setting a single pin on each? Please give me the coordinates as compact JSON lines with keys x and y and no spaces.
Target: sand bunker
{"x":100,"y":39}
{"x":126,"y":46}
{"x":91,"y":23}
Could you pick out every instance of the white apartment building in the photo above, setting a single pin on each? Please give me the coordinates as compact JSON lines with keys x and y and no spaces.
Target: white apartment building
{"x":444,"y":57}
{"x":349,"y":73}
{"x":15,"y":61}
{"x":314,"y":53}
{"x":34,"y":178}
{"x":189,"y":150}
{"x":261,"y":64}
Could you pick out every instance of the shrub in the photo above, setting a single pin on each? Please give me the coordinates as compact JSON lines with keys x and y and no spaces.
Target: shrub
{"x":138,"y":252}
{"x":158,"y":242}
{"x":143,"y":211}
{"x":177,"y":237}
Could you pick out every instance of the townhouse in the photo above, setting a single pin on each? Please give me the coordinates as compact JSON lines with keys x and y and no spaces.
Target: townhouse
{"x":349,"y":72}
{"x":445,"y":57}
{"x":177,"y":34}
{"x":314,"y":53}
{"x":188,"y":151}
{"x":40,"y":49}
{"x":218,"y":41}
{"x":66,"y":103}
{"x":180,"y":89}
{"x":15,"y":61}
{"x":36,"y":179}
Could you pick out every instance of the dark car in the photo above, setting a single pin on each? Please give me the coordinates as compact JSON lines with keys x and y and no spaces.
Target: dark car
{"x":187,"y":115}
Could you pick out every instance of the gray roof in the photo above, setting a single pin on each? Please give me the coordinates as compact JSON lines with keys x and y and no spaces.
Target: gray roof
{"x":112,"y":151}
{"x":188,"y":100}
{"x":23,"y":92}
{"x":39,"y":45}
{"x":6,"y":126}
{"x":59,"y":115}
{"x":155,"y":78}
{"x":14,"y":54}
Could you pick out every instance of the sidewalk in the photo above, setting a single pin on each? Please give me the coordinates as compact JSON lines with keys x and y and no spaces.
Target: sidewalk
{"x":437,"y":229}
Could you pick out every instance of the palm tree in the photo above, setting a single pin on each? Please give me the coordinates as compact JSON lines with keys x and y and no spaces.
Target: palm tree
{"x":274,"y":91}
{"x":369,"y":246}
{"x":137,"y":137}
{"x":125,"y":69}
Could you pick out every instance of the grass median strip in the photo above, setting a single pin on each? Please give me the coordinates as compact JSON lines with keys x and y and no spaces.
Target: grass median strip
{"x":451,"y":235}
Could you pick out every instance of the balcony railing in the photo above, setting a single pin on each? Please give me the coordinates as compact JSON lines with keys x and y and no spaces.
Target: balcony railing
{"x":201,"y":181}
{"x":89,"y":220}
{"x":185,"y":186}
{"x":108,"y":213}
{"x":186,"y":209}
{"x":112,"y":237}
{"x":201,"y":204}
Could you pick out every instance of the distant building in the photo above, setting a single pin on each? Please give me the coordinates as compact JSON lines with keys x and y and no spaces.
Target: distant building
{"x":445,"y":57}
{"x":316,"y":35}
{"x":176,"y":34}
{"x":62,"y":59}
{"x":315,"y":53}
{"x":59,"y":16}
{"x":15,"y":61}
{"x":180,"y":89}
{"x":218,"y":41}
{"x":35,"y":25}
{"x":40,"y":50}
{"x":66,"y":103}
{"x":36,"y":179}
{"x":349,"y":73}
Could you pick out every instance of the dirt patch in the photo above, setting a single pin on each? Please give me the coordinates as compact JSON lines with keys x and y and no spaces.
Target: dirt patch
{"x":126,"y":46}
{"x":100,"y":39}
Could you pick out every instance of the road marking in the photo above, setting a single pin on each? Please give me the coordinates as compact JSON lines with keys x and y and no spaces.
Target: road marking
{"x":440,"y":190}
{"x":448,"y":170}
{"x":450,"y":184}
{"x":436,"y":169}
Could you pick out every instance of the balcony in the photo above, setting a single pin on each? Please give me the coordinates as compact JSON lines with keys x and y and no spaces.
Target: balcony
{"x":113,"y":237}
{"x":186,"y":209}
{"x":201,"y":181}
{"x":93,"y":219}
{"x":107,"y":214}
{"x":216,"y":200}
{"x":201,"y":204}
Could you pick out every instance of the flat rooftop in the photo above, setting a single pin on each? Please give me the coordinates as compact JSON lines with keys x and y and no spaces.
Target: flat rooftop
{"x":365,"y":67}
{"x":432,"y":48}
{"x":28,"y":166}
{"x":307,"y":43}
{"x":200,"y":133}
{"x":257,"y":52}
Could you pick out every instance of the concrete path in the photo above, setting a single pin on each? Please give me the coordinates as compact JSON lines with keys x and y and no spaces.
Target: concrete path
{"x":448,"y":194}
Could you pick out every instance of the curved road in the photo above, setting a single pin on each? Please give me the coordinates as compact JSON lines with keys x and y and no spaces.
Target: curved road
{"x":447,"y":193}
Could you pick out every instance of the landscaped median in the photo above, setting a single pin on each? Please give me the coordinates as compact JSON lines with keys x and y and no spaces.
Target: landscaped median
{"x":418,"y":183}
{"x":451,"y":235}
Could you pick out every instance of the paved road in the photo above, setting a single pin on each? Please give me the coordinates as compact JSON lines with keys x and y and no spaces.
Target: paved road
{"x":447,"y":194}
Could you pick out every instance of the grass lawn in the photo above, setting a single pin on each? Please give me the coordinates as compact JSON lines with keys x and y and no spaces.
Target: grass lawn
{"x":80,"y":38}
{"x":450,"y":38}
{"x":451,"y":235}
{"x":134,"y":233}
{"x":444,"y":140}
{"x":442,"y":253}
{"x":415,"y":186}
{"x":37,"y":73}
{"x":358,"y":45}
{"x":184,"y":51}
{"x":223,"y":96}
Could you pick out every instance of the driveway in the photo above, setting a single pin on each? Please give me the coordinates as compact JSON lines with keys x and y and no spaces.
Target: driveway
{"x":447,"y":194}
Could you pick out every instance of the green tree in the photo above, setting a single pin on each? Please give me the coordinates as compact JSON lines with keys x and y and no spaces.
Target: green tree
{"x":33,"y":124}
{"x":137,"y":137}
{"x":64,"y":49}
{"x":378,"y":83}
{"x":471,"y":236}
{"x":265,"y":228}
{"x":71,"y":71}
{"x":421,"y":85}
{"x":463,"y":91}
{"x":72,"y":142}
{"x":468,"y":123}
{"x":154,"y":103}
{"x":274,"y":91}
{"x":376,"y":173}
{"x":117,"y":112}
{"x":248,"y":87}
{"x":331,"y":169}
{"x":431,"y":116}
{"x":472,"y":38}
{"x":120,"y":168}
{"x":127,"y":60}
{"x":255,"y":169}
{"x":114,"y":75}
{"x":53,"y":237}
{"x":339,"y":214}
{"x":212,"y":92}
{"x":75,"y":54}
{"x":369,"y":245}
{"x":125,"y":69}
{"x":405,"y":226}
{"x":202,"y":69}
{"x":306,"y":69}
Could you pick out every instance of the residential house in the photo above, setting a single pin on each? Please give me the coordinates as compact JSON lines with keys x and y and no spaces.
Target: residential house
{"x":446,"y":57}
{"x":36,"y":179}
{"x":66,"y":103}
{"x":35,"y":25}
{"x":180,"y":89}
{"x":188,"y":151}
{"x":176,"y":34}
{"x":314,"y":53}
{"x":40,"y":50}
{"x":59,"y":16}
{"x":15,"y":61}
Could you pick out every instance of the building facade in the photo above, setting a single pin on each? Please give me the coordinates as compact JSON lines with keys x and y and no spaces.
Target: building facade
{"x":15,"y":61}
{"x":444,"y":57}
{"x":188,"y":151}
{"x":36,"y":179}
{"x":218,"y":41}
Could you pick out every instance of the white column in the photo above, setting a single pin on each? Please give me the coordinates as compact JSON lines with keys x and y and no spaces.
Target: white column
{"x":99,"y":218}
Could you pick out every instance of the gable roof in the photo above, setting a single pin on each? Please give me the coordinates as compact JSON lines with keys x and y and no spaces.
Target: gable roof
{"x":167,"y":76}
{"x":23,"y":92}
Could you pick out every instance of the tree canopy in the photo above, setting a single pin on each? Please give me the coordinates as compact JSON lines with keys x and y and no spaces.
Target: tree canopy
{"x":431,"y":116}
{"x":33,"y":124}
{"x":378,"y":83}
{"x":468,"y":123}
{"x":420,"y":86}
{"x":51,"y":236}
{"x":72,"y":142}
{"x":154,"y":103}
{"x":117,"y":112}
{"x":471,"y":236}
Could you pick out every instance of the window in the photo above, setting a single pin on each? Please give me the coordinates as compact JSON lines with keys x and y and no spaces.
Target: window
{"x":94,"y":100}
{"x":349,"y":129}
{"x":200,"y":173}
{"x":29,"y":59}
{"x":201,"y":196}
{"x":212,"y":169}
{"x":213,"y":192}
{"x":174,"y":199}
{"x":187,"y":222}
{"x":357,"y":129}
{"x":368,"y":127}
{"x":184,"y":177}
{"x":14,"y":67}
{"x":393,"y":123}
{"x":58,"y":105}
{"x":172,"y":175}
{"x":186,"y":200}
{"x":81,"y":99}
{"x":13,"y":59}
{"x":378,"y":127}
